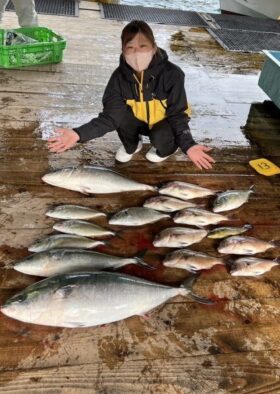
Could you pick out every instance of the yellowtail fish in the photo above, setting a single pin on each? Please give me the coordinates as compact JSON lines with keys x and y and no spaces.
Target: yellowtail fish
{"x":63,"y":241}
{"x":80,"y":227}
{"x":93,"y":179}
{"x":63,"y":261}
{"x":73,"y":212}
{"x":88,"y":299}
{"x":137,"y":216}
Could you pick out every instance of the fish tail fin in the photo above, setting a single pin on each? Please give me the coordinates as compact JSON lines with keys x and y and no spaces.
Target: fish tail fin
{"x":111,"y":234}
{"x":253,"y":189}
{"x":142,"y":263}
{"x":139,"y":260}
{"x":188,"y":284}
{"x":100,"y":243}
{"x":141,"y":254}
{"x":275,"y":243}
{"x":152,"y":188}
{"x":172,"y":215}
{"x":161,"y":184}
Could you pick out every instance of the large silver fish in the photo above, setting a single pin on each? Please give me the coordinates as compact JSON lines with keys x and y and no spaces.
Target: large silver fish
{"x":167,"y":204}
{"x":73,"y":212}
{"x":191,"y":261}
{"x":62,"y":261}
{"x":185,"y":191}
{"x":252,"y":266}
{"x":231,"y":199}
{"x":244,"y":245}
{"x":178,"y":237}
{"x":223,"y":232}
{"x":63,"y":241}
{"x":198,"y":217}
{"x":136,"y":216}
{"x":90,"y":299}
{"x":93,"y":179}
{"x":80,"y":227}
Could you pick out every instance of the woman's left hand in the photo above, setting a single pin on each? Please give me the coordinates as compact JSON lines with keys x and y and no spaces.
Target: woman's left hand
{"x":199,"y":157}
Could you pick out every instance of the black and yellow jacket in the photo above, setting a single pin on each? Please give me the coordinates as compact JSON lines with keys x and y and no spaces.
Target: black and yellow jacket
{"x":159,"y":94}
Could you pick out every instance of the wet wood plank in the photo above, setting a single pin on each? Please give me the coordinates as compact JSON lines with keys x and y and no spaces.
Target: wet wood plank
{"x":183,"y":165}
{"x":141,"y":376}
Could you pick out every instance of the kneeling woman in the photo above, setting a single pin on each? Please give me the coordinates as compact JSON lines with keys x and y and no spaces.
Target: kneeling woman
{"x":144,"y":96}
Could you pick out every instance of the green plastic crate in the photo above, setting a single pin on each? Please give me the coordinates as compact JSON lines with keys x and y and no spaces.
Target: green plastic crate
{"x":270,"y":76}
{"x":49,"y":49}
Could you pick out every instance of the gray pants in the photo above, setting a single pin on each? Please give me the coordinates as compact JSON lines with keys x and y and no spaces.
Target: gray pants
{"x":25,"y":10}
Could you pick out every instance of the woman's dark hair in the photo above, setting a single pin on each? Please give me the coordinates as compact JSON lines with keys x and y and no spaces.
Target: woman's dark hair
{"x":134,"y":27}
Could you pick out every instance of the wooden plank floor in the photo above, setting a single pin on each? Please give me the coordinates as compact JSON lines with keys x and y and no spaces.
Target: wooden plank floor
{"x":184,"y":347}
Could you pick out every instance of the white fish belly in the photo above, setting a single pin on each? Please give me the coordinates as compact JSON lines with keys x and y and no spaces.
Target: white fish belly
{"x":98,"y":304}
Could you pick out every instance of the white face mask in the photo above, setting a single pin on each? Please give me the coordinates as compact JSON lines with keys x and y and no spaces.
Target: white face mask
{"x":140,"y":61}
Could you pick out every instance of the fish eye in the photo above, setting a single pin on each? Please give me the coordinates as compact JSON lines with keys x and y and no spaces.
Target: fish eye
{"x":19,"y":298}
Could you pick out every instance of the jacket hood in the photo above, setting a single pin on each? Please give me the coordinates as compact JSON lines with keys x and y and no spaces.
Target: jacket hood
{"x":155,"y":67}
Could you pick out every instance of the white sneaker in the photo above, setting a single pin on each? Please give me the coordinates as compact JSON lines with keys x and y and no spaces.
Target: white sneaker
{"x":152,"y":156}
{"x":122,"y":154}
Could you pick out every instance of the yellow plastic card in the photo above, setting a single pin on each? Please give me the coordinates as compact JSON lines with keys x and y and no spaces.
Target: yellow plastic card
{"x":265,"y":167}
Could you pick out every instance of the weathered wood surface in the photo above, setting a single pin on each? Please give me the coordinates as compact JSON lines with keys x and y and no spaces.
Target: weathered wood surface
{"x":184,"y":347}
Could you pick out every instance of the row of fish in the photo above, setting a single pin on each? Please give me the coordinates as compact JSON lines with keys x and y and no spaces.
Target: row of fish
{"x":79,"y":299}
{"x":100,"y":180}
{"x":195,"y":261}
{"x":62,"y":260}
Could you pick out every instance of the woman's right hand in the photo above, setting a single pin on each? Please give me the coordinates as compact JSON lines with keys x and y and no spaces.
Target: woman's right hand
{"x":64,"y":139}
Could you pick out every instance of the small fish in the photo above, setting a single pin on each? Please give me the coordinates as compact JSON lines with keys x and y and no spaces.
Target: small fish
{"x":223,"y":232}
{"x":251,"y":266}
{"x":198,"y":217}
{"x":85,"y":299}
{"x":93,"y":179}
{"x":80,"y":227}
{"x":244,"y":245}
{"x":191,"y":261}
{"x":63,"y":241}
{"x":62,"y":261}
{"x":167,"y":204}
{"x":185,"y":191}
{"x":136,"y":216}
{"x":73,"y":212}
{"x":231,"y":199}
{"x":177,"y":237}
